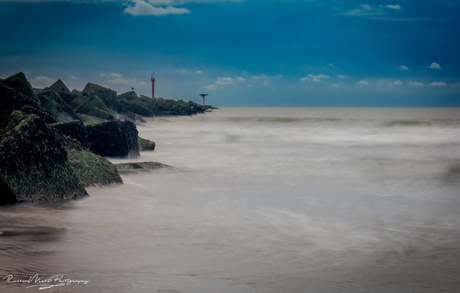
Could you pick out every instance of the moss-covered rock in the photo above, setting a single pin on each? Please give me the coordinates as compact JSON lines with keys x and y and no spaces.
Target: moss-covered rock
{"x":92,"y":169}
{"x":145,"y":144}
{"x":162,"y":107}
{"x":128,"y":96}
{"x":108,"y":96}
{"x":113,"y":139}
{"x":11,"y":100}
{"x":74,"y":101}
{"x":146,"y":106}
{"x":74,"y":129}
{"x":43,"y":114}
{"x":136,"y":107}
{"x":90,"y":120}
{"x":33,"y":163}
{"x":69,"y":97}
{"x":43,"y":160}
{"x":94,"y":106}
{"x":20,"y":83}
{"x":59,"y":86}
{"x":137,"y":167}
{"x":56,"y":106}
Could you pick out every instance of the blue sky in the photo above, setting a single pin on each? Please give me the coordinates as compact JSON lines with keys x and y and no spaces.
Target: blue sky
{"x":243,"y":53}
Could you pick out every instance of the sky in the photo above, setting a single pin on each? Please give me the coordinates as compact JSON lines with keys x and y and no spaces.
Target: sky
{"x":398,"y":53}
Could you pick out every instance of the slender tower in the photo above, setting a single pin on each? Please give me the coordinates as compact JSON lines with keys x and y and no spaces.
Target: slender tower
{"x":204,"y":98}
{"x":152,"y":78}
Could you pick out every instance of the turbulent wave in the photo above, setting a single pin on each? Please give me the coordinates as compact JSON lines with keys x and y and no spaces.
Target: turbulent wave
{"x":284,"y":120}
{"x":331,"y":120}
{"x":424,"y":122}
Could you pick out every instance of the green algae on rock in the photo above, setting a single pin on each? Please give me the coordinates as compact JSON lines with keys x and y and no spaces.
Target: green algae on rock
{"x":114,"y":139}
{"x":145,"y":144}
{"x":33,"y":163}
{"x":92,"y":169}
{"x":137,"y":167}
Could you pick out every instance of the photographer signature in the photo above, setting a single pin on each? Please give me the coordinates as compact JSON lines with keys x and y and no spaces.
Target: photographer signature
{"x":44,"y":282}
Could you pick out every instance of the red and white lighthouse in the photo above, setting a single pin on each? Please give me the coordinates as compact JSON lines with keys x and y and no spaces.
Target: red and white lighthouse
{"x":152,"y":78}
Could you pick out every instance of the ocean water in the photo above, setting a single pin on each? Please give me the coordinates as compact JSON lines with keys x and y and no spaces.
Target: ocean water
{"x":261,"y":200}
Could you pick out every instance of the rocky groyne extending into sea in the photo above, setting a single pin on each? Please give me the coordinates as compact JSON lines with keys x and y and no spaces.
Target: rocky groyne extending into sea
{"x":53,"y":141}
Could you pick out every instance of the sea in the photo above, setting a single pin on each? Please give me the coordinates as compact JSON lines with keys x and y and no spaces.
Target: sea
{"x":259,"y":200}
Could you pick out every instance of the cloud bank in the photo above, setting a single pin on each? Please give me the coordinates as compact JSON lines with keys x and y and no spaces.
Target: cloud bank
{"x":163,"y":7}
{"x":435,"y":65}
{"x":142,"y":7}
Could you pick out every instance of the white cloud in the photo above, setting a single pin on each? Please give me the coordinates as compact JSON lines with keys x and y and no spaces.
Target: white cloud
{"x":181,"y":2}
{"x":341,"y":76}
{"x":180,"y":70}
{"x":403,"y":68}
{"x":363,"y":82}
{"x":393,"y":6}
{"x":435,"y":65}
{"x":142,"y":7}
{"x":153,"y":2}
{"x":366,"y":7}
{"x":363,"y":10}
{"x":32,"y":1}
{"x":119,"y":79}
{"x":121,"y":83}
{"x":331,"y":65}
{"x":259,"y":77}
{"x":224,"y":81}
{"x":264,"y":79}
{"x":390,"y":12}
{"x":397,"y":83}
{"x":438,"y":83}
{"x":42,"y":81}
{"x":199,"y":72}
{"x":242,"y":81}
{"x":416,"y":83}
{"x":162,"y":7}
{"x":314,"y":77}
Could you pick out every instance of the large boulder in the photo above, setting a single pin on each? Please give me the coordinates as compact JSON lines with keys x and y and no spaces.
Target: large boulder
{"x":93,"y":106}
{"x":16,"y":93}
{"x":59,"y":86}
{"x":113,"y":139}
{"x":145,"y":144}
{"x":136,"y":107}
{"x":33,"y":163}
{"x":131,"y":95}
{"x":108,"y":96}
{"x":20,"y":83}
{"x":138,"y":167}
{"x":131,"y":103}
{"x":11,"y":99}
{"x":92,"y":169}
{"x":43,"y":114}
{"x":56,"y":106}
{"x":74,"y":129}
